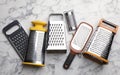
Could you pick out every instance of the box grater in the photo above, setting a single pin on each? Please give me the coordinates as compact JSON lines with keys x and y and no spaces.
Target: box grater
{"x":99,"y":46}
{"x":56,"y":34}
{"x":18,"y":38}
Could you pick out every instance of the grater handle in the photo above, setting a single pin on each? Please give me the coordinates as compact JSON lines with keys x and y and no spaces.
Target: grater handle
{"x":38,"y":26}
{"x":10,"y":26}
{"x":69,"y":60}
{"x":108,"y":25}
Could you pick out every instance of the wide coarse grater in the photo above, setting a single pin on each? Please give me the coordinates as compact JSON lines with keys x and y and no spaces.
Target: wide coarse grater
{"x":100,"y":44}
{"x":56,"y":34}
{"x":17,"y":37}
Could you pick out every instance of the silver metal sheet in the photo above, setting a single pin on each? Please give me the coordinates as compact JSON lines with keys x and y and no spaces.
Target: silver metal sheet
{"x":56,"y":30}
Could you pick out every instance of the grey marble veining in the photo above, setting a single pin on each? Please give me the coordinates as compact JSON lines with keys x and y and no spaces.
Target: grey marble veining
{"x":90,"y":11}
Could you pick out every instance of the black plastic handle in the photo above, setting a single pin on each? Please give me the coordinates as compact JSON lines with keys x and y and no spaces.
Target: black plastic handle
{"x":68,"y":61}
{"x":5,"y":29}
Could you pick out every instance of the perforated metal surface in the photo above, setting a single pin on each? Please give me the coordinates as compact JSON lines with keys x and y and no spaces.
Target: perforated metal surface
{"x":101,"y":42}
{"x":20,"y":42}
{"x":81,"y":36}
{"x":56,"y":36}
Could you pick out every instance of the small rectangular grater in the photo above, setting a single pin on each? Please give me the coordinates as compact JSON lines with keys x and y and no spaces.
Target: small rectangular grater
{"x":56,"y":34}
{"x":100,"y":44}
{"x":70,"y":21}
{"x":18,"y":39}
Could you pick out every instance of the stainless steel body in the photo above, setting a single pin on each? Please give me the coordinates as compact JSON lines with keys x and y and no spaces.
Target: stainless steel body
{"x":56,"y":34}
{"x":99,"y":46}
{"x":35,"y":52}
{"x":101,"y":42}
{"x":70,"y":21}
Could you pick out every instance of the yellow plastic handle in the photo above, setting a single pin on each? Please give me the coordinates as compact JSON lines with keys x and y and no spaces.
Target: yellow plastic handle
{"x":38,"y":26}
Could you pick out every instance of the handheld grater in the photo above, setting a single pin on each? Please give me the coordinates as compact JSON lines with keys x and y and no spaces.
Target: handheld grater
{"x":100,"y":44}
{"x":56,"y":34}
{"x":78,"y":42}
{"x":18,"y":38}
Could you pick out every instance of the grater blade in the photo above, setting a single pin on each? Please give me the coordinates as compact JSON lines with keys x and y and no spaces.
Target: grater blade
{"x":81,"y":36}
{"x":56,"y":34}
{"x":99,"y":45}
{"x":101,"y":42}
{"x":70,"y":21}
{"x":35,"y":47}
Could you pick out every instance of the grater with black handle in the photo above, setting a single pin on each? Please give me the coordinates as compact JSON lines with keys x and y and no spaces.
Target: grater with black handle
{"x":18,"y":39}
{"x":56,"y":34}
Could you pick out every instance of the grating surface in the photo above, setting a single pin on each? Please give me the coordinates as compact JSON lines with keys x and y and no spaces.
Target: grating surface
{"x":81,"y":36}
{"x":101,"y":42}
{"x":19,"y":40}
{"x":56,"y":35}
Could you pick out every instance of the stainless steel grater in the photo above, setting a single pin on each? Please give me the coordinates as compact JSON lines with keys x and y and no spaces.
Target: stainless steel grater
{"x":36,"y":45}
{"x":100,"y":43}
{"x":78,"y":42}
{"x":56,"y":34}
{"x":70,"y":21}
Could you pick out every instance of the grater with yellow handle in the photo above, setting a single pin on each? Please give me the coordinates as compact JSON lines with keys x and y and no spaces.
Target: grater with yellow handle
{"x":36,"y":49}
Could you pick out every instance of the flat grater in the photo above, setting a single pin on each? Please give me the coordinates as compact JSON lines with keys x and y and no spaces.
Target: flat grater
{"x":78,"y":42}
{"x":56,"y":34}
{"x":70,"y":21}
{"x":18,"y":38}
{"x":100,"y":44}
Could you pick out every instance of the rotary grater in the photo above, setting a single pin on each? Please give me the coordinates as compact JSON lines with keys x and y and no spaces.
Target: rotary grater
{"x":56,"y":34}
{"x":99,"y":46}
{"x":36,"y":45}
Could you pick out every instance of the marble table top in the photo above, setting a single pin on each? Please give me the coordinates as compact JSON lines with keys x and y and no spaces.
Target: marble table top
{"x":90,"y":11}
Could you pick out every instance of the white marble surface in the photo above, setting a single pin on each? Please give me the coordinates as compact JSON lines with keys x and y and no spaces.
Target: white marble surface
{"x":90,"y":11}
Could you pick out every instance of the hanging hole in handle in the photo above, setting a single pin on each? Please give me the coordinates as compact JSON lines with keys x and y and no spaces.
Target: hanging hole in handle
{"x":13,"y":29}
{"x":110,"y":25}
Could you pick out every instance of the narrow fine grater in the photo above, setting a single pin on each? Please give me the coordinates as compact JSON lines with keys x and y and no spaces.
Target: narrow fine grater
{"x":17,"y":37}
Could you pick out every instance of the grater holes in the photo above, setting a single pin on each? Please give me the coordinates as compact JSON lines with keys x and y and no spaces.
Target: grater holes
{"x":101,"y":42}
{"x":20,"y":41}
{"x":56,"y":35}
